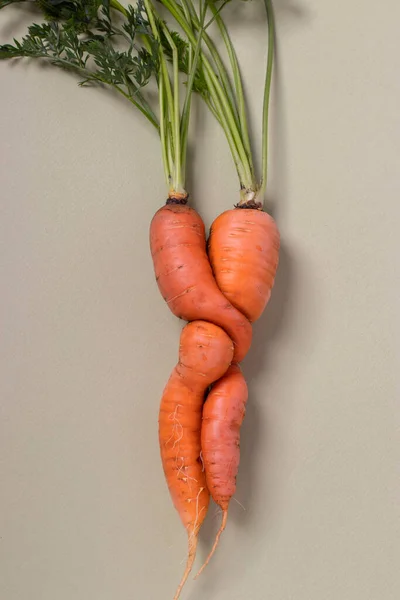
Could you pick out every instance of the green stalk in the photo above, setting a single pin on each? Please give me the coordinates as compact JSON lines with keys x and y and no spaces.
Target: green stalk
{"x":225,"y":125}
{"x":220,"y":99}
{"x":188,"y":98}
{"x":178,"y":183}
{"x":170,"y":151}
{"x":192,"y":64}
{"x":237,"y":80}
{"x":118,"y":6}
{"x":222,"y":72}
{"x":167,"y":166}
{"x":267,"y":94}
{"x":223,"y":75}
{"x":212,"y":108}
{"x":228,"y":108}
{"x":172,"y":138}
{"x":189,"y":20}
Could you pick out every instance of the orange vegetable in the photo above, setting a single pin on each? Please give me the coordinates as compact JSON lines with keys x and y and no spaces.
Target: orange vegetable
{"x":243,"y":249}
{"x":205,"y":354}
{"x":185,"y":278}
{"x":223,"y":414}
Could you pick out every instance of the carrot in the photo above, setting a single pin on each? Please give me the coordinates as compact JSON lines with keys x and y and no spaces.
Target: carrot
{"x":243,"y":249}
{"x":185,"y":278}
{"x":223,"y":415}
{"x":205,"y":354}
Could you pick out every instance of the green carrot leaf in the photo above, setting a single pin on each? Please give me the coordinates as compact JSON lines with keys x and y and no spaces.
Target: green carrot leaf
{"x":79,"y":37}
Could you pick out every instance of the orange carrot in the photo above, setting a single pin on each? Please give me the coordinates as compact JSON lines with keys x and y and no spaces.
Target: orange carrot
{"x":205,"y":354}
{"x":223,"y":414}
{"x":185,"y":278}
{"x":243,"y":248}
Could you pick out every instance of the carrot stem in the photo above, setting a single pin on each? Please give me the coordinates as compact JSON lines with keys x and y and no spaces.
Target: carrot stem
{"x":118,"y":6}
{"x":237,"y":80}
{"x":174,"y":107}
{"x":221,"y":99}
{"x":193,"y":62}
{"x":165,"y":157}
{"x":222,"y":71}
{"x":225,"y":125}
{"x":170,"y":112}
{"x":267,"y":94}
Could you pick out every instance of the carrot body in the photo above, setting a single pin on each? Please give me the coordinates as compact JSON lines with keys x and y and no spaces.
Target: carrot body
{"x":243,"y":249}
{"x":185,"y":278}
{"x":223,"y":414}
{"x":205,"y":354}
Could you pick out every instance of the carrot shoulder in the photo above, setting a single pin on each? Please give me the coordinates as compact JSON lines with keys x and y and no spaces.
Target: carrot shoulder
{"x":243,"y":249}
{"x":205,"y":354}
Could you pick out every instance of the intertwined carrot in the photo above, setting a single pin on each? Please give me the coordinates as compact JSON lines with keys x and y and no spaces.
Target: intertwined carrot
{"x":205,"y":354}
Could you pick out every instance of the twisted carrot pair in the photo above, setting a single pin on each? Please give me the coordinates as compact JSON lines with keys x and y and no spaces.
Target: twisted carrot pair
{"x":220,"y":289}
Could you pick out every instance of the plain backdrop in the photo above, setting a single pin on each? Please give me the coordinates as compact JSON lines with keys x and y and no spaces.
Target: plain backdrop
{"x":87,"y":342}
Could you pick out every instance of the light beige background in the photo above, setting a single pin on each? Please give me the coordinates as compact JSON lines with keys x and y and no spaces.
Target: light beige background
{"x":87,"y":342}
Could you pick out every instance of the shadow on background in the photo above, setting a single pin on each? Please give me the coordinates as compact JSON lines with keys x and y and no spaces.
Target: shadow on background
{"x":20,"y":14}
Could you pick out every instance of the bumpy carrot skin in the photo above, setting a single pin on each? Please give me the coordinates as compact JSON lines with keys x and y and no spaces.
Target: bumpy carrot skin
{"x":185,"y":278}
{"x":223,"y":414}
{"x":243,"y":249}
{"x":205,"y":354}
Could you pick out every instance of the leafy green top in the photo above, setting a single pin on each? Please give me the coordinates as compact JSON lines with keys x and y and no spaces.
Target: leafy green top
{"x":126,"y":53}
{"x":123,"y":52}
{"x":81,"y":36}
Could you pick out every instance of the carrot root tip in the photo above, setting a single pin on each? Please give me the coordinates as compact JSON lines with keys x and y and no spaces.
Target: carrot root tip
{"x":217,"y":538}
{"x":189,"y":564}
